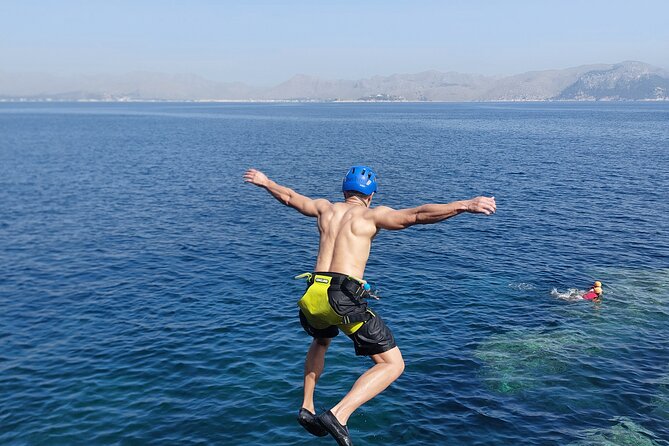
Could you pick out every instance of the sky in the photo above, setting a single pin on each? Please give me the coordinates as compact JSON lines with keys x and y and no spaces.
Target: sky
{"x":266,"y":42}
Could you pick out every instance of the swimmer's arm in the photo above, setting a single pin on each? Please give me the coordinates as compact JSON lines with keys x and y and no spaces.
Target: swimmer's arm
{"x":285,"y":195}
{"x":387,"y":218}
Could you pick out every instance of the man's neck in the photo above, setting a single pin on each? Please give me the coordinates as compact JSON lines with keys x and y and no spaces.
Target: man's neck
{"x":356,"y":201}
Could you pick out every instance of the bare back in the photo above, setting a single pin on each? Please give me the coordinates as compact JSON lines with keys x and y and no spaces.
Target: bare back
{"x":346,"y":233}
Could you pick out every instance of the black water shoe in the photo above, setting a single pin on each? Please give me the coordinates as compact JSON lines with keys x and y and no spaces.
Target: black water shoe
{"x":310,"y":422}
{"x":334,"y":427}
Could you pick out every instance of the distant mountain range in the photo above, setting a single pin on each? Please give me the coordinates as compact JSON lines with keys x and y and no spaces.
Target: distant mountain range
{"x":613,"y":82}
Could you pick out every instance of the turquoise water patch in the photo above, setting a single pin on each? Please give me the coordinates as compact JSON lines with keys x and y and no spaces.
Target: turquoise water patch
{"x":521,"y":360}
{"x":642,"y":288}
{"x":625,"y":433}
{"x":661,"y":400}
{"x":633,"y":297}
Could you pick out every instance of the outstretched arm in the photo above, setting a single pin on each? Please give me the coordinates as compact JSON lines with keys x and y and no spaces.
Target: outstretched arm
{"x":387,"y":218}
{"x":285,"y":195}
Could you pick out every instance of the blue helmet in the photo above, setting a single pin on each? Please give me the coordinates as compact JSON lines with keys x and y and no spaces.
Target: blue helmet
{"x":360,"y":179}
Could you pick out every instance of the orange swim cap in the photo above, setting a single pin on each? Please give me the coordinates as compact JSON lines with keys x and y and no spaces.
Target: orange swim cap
{"x":598,"y":290}
{"x":598,"y":283}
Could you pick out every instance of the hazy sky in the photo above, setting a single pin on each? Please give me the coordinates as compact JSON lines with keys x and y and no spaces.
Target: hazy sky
{"x":265,"y":42}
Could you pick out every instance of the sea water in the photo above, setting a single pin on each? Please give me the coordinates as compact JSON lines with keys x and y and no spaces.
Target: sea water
{"x":146,"y":292}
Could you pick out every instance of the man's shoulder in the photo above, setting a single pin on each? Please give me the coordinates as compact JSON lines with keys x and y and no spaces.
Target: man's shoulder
{"x":323,"y":204}
{"x":381,"y":209}
{"x":378,"y":213}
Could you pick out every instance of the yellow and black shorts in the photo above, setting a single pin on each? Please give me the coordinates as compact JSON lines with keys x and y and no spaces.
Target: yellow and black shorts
{"x":331,"y":304}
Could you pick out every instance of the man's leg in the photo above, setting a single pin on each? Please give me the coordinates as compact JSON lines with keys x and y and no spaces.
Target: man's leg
{"x":313,"y":367}
{"x":389,"y":365}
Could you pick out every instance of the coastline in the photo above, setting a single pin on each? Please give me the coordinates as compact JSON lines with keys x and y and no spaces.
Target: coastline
{"x":318,"y":101}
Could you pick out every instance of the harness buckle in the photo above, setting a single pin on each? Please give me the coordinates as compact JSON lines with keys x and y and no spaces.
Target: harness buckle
{"x":363,"y":289}
{"x":303,"y":275}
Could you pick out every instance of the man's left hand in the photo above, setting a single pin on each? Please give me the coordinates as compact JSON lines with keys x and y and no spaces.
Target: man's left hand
{"x":482,"y":205}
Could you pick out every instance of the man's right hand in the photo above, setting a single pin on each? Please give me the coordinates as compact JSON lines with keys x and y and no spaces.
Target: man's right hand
{"x":287,"y":196}
{"x":482,"y":205}
{"x":256,"y":177}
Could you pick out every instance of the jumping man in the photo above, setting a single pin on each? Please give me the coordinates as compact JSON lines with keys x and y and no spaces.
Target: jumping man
{"x":335,"y":297}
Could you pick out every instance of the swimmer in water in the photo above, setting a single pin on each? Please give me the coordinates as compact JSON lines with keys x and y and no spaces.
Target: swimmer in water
{"x":594,"y":293}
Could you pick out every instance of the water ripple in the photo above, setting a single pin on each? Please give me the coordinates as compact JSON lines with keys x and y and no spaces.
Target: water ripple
{"x":148,"y":298}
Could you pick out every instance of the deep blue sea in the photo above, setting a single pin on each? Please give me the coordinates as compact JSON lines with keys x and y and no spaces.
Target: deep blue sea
{"x":147,"y":293}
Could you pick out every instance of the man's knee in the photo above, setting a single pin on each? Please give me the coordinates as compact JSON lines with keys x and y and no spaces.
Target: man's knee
{"x":394,"y":368}
{"x":393,"y":359}
{"x":398,"y":366}
{"x":397,"y":361}
{"x":401,"y":365}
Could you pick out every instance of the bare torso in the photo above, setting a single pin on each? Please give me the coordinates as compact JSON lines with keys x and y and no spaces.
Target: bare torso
{"x":346,"y":233}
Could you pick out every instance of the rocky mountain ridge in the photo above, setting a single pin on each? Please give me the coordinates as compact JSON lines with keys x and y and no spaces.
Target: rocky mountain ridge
{"x":623,"y":81}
